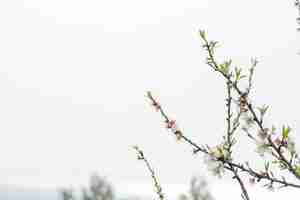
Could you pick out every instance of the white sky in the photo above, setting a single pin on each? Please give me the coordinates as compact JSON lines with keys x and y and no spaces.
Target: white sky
{"x":73,"y":75}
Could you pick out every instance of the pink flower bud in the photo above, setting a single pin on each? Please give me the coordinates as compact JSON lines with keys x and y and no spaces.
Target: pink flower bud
{"x":171,"y":124}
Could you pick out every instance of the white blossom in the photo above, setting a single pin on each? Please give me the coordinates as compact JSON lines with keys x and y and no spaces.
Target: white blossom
{"x":262,"y":147}
{"x":214,"y":166}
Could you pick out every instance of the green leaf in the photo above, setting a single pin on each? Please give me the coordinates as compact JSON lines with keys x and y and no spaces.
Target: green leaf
{"x":285,"y":132}
{"x":238,"y":74}
{"x":263,"y":109}
{"x":225,"y":66}
{"x":267,"y":166}
{"x":297,"y":169}
{"x":202,"y":34}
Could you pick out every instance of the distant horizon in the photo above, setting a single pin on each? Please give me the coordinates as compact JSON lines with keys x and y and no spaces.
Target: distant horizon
{"x":219,"y":189}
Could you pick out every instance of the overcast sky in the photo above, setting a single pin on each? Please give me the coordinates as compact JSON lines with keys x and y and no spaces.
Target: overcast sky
{"x":73,"y":77}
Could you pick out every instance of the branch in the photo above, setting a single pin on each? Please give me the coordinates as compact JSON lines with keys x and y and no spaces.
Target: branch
{"x":297,"y":4}
{"x":141,"y":156}
{"x":230,"y":143}
{"x":243,"y":188}
{"x":209,"y":47}
{"x":197,"y":148}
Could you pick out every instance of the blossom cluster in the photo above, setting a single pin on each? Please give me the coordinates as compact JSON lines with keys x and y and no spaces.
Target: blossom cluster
{"x":285,"y":140}
{"x":172,"y":125}
{"x":214,"y":160}
{"x":282,"y":141}
{"x":262,"y":143}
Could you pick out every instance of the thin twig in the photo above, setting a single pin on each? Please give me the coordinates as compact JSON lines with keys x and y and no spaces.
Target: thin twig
{"x":141,"y":156}
{"x":238,"y":178}
{"x":229,"y":141}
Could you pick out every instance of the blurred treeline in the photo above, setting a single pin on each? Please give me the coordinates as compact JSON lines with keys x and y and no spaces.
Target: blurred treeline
{"x":100,"y":189}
